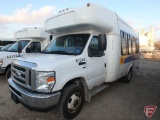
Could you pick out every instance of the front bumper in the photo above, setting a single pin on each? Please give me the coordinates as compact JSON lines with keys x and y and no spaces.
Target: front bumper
{"x":2,"y":70}
{"x":33,"y":99}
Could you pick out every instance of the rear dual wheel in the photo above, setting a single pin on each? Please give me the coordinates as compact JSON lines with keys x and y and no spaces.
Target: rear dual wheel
{"x":128,"y":77}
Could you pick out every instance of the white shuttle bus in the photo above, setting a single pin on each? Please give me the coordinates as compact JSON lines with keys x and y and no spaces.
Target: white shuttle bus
{"x":33,"y":40}
{"x":93,"y":46}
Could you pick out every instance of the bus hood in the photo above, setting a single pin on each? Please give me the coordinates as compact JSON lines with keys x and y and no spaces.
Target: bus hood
{"x":51,"y":62}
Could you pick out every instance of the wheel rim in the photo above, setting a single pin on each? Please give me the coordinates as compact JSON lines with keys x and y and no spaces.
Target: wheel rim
{"x":74,"y":102}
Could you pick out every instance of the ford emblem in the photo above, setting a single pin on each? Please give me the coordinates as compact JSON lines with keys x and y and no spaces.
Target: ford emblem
{"x":18,"y":74}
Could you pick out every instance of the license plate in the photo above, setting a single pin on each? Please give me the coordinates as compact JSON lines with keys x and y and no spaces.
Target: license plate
{"x":14,"y":98}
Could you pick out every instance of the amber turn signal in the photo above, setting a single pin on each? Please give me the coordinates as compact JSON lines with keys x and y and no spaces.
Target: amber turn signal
{"x":50,"y":79}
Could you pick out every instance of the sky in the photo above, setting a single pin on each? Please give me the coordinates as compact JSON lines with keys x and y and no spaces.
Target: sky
{"x":18,"y":14}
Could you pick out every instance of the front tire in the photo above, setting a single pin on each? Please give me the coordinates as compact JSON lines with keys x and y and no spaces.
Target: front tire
{"x":71,"y":101}
{"x":8,"y":73}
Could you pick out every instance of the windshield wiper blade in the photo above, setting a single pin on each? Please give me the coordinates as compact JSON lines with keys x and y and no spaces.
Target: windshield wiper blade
{"x":59,"y":52}
{"x":63,"y":52}
{"x":72,"y":54}
{"x":44,"y":51}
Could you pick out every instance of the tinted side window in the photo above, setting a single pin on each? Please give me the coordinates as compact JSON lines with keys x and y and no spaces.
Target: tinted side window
{"x":133,"y":46}
{"x":124,"y":46}
{"x":123,"y":43}
{"x":137,"y":46}
{"x":130,"y":46}
{"x":34,"y":47}
{"x":95,"y":52}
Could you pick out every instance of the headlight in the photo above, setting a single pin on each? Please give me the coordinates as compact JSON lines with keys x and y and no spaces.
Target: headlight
{"x":1,"y":62}
{"x":45,"y":81}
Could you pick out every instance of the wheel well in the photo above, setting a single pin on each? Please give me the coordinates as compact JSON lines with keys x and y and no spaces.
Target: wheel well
{"x":77,"y":81}
{"x":81,"y":82}
{"x":7,"y":68}
{"x":130,"y":68}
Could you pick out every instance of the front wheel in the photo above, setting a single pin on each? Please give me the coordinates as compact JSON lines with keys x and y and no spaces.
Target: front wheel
{"x":71,"y":101}
{"x":8,"y":73}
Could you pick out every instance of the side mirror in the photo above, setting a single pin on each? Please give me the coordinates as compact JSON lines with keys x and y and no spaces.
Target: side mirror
{"x":50,"y":37}
{"x":19,"y":47}
{"x":102,"y":42}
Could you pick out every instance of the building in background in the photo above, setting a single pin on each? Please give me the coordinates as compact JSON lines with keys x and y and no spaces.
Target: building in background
{"x":147,"y":40}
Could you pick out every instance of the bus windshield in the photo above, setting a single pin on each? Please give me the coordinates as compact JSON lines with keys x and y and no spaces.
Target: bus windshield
{"x":72,"y":44}
{"x":14,"y":47}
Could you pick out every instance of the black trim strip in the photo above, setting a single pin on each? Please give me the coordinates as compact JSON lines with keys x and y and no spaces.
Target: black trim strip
{"x":17,"y":92}
{"x":30,"y":77}
{"x":82,"y":63}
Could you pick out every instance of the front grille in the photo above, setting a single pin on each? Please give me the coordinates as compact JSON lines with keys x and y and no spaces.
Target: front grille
{"x":23,"y":74}
{"x":19,"y":80}
{"x":18,"y":68}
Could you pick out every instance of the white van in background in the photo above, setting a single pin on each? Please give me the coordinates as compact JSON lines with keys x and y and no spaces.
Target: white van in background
{"x":6,"y":41}
{"x":92,"y":46}
{"x":33,"y":40}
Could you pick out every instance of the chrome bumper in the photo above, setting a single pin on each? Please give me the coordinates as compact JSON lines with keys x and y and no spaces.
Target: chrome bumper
{"x":2,"y":70}
{"x":33,"y":99}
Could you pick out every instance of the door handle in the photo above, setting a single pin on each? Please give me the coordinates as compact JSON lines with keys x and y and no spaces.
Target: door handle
{"x":82,"y":63}
{"x":104,"y":64}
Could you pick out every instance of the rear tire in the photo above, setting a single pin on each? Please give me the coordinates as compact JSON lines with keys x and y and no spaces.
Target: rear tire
{"x":71,"y":101}
{"x":128,"y":77}
{"x":8,"y":73}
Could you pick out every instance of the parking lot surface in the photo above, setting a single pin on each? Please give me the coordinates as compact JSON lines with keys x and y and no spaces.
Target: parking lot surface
{"x":120,"y":101}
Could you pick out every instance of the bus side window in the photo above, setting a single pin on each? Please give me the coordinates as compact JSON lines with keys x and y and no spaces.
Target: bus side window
{"x":137,"y":46}
{"x":134,"y":46}
{"x":124,"y":46}
{"x":130,"y":46}
{"x":123,"y":43}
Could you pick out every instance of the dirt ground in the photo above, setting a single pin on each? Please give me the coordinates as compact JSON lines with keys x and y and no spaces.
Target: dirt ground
{"x":153,"y":56}
{"x":120,"y":101}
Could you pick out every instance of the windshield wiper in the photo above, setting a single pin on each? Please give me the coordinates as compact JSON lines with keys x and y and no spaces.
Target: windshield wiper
{"x":63,"y":52}
{"x":44,"y":51}
{"x":58,"y":52}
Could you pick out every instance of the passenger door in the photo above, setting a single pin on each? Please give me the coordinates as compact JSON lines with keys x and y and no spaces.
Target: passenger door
{"x":96,"y":63}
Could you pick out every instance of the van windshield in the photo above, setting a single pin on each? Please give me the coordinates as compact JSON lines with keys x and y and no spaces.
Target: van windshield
{"x":72,"y":44}
{"x":14,"y":47}
{"x":5,"y":47}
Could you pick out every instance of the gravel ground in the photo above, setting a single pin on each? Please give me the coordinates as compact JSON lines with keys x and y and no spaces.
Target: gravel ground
{"x":120,"y":101}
